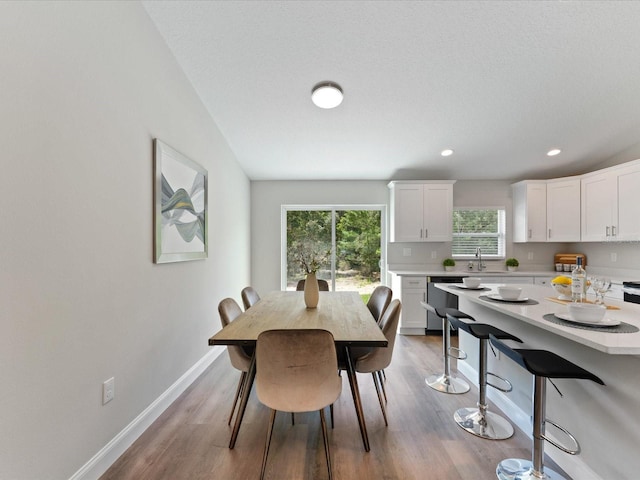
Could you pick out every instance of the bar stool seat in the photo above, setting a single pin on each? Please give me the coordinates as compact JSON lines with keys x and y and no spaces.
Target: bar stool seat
{"x":542,"y":364}
{"x":445,"y":382}
{"x":479,"y":421}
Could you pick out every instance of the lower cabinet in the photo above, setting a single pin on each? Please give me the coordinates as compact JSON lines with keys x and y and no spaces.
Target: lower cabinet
{"x":412,"y":290}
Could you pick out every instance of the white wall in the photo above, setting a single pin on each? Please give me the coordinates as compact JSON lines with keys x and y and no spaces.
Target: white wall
{"x":266,"y":200}
{"x":85,"y":87}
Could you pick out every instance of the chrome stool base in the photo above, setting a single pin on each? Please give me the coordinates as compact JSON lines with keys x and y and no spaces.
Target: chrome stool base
{"x":488,"y":425}
{"x":447,"y":384}
{"x":520,"y":469}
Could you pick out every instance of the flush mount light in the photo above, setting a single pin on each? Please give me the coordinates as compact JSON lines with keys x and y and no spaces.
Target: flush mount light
{"x":326,"y":95}
{"x":554,"y":152}
{"x":447,"y":152}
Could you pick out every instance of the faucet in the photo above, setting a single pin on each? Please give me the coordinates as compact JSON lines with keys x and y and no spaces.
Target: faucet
{"x":481,"y":265}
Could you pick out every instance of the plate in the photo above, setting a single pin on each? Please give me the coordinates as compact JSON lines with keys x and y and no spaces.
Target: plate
{"x":464,"y":287}
{"x":495,"y":296}
{"x":564,"y":297}
{"x":605,"y":322}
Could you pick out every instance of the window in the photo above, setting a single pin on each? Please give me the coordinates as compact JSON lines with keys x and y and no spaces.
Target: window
{"x":478,"y":227}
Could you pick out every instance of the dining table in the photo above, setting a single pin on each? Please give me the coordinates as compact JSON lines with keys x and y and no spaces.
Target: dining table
{"x":343,"y":313}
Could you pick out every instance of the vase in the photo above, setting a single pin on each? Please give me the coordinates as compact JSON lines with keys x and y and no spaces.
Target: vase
{"x":311,"y":291}
{"x":512,"y":269}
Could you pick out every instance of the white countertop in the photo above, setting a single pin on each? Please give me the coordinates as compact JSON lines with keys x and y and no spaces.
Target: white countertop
{"x":474,"y":273}
{"x":611,"y":343}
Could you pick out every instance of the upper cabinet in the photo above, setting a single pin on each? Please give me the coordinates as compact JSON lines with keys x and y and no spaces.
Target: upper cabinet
{"x":609,"y":204}
{"x":530,"y":211}
{"x":421,"y":211}
{"x":546,"y":210}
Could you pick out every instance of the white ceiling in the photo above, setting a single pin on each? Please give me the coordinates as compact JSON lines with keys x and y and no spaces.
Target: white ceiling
{"x":500,"y":83}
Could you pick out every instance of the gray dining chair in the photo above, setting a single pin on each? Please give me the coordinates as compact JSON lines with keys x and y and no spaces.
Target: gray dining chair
{"x":379,"y":301}
{"x":249,"y":297}
{"x":297,"y":372}
{"x":229,"y":310}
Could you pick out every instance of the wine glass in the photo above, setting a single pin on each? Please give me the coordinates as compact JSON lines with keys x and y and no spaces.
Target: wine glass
{"x":601,"y":286}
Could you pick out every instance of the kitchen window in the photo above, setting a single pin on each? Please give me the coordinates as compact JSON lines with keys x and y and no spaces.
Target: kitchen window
{"x":482,"y":227}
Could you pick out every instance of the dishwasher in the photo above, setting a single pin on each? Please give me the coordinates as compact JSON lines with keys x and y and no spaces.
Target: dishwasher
{"x":439,"y":299}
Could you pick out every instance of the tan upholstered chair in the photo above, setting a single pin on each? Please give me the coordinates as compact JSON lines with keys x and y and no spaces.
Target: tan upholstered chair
{"x":297,"y":371}
{"x":323,"y":285}
{"x":229,"y":310}
{"x":379,"y":358}
{"x":249,"y":297}
{"x":379,"y":301}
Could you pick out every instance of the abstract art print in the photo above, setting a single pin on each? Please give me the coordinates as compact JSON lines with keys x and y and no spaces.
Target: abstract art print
{"x":180,"y":216}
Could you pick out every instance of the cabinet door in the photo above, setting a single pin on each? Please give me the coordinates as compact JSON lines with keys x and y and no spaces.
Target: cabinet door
{"x":438,"y":212}
{"x":627,"y":225}
{"x":413,"y":314}
{"x":530,"y":212}
{"x":407,"y":213}
{"x":598,"y":194}
{"x":563,"y":211}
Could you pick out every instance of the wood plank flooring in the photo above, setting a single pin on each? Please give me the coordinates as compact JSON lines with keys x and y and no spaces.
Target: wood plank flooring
{"x":190,"y":439}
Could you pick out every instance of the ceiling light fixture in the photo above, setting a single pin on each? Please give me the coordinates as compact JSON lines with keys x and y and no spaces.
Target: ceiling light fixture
{"x":327,"y":95}
{"x":446,"y":153}
{"x":554,"y":152}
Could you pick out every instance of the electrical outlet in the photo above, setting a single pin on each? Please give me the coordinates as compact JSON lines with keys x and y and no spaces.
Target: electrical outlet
{"x":434,"y":254}
{"x":614,"y":257}
{"x":530,"y":256}
{"x":108,"y":390}
{"x":406,"y":252}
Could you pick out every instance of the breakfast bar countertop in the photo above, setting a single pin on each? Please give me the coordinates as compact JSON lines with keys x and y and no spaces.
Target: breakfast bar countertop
{"x":598,"y":339}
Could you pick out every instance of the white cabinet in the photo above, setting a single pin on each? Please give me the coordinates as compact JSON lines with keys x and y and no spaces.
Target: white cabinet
{"x":609,"y":204}
{"x":563,"y":210}
{"x":413,"y":318}
{"x":421,"y":211}
{"x":530,"y":211}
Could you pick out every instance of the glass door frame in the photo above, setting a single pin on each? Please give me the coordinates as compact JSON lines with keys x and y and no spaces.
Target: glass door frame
{"x":332,"y":208}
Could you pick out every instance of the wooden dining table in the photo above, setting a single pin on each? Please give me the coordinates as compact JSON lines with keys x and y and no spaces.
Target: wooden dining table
{"x":344,"y":314}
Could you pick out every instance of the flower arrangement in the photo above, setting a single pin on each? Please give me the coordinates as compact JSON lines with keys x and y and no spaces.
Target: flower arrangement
{"x":311,"y":259}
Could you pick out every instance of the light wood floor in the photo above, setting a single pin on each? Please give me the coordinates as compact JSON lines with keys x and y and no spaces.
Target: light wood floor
{"x":190,"y":440}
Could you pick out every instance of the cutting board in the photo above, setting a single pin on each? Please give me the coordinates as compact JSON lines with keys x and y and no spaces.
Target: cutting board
{"x":570,"y":258}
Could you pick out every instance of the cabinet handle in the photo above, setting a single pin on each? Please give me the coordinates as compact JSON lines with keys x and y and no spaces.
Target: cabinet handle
{"x":421,"y":232}
{"x":607,"y":230}
{"x":613,"y":230}
{"x":549,"y":233}
{"x":424,"y":296}
{"x":426,"y":233}
{"x":530,"y":233}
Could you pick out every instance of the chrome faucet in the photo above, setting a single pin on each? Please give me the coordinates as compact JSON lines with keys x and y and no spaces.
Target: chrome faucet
{"x":481,"y":265}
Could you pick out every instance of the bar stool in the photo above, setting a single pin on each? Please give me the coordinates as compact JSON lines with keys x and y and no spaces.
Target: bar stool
{"x":479,"y":421}
{"x":445,"y":382}
{"x":542,"y":364}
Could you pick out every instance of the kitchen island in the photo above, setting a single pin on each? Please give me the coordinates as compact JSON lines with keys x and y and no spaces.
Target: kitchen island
{"x":604,"y":419}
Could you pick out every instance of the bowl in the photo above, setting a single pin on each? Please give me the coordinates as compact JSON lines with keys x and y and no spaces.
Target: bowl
{"x":563,"y":290}
{"x":471,"y":282}
{"x":508,"y":292}
{"x":586,"y":312}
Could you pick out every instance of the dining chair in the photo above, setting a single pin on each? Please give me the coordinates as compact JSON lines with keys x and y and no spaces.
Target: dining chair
{"x":379,"y":301}
{"x":297,"y":372}
{"x":323,"y":285}
{"x":379,"y":358}
{"x":249,"y":297}
{"x":229,"y":310}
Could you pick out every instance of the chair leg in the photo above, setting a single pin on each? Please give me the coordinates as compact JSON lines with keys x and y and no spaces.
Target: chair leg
{"x":331,"y":413}
{"x":384,"y":375}
{"x":384,"y":390}
{"x":384,"y":413}
{"x":267,"y":444}
{"x":243,"y":376}
{"x":326,"y":442}
{"x":293,"y":418}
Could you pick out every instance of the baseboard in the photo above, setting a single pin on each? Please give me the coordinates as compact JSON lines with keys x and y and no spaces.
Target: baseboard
{"x":573,"y":465}
{"x":102,"y":460}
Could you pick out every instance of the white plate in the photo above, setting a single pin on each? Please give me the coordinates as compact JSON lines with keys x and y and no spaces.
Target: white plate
{"x":564,"y":297}
{"x":605,"y":322}
{"x":495,"y":296}
{"x":464,"y":287}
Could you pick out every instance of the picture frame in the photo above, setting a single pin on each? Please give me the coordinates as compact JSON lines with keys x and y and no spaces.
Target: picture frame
{"x":180,"y":206}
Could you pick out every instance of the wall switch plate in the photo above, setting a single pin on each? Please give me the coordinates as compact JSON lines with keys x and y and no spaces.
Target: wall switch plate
{"x":614,"y":257}
{"x":434,"y":254}
{"x":530,"y":256}
{"x":406,"y":252}
{"x":108,"y":390}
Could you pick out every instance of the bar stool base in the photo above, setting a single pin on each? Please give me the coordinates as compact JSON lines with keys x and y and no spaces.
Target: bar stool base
{"x":520,"y":469}
{"x":490,"y":425}
{"x":447,"y":384}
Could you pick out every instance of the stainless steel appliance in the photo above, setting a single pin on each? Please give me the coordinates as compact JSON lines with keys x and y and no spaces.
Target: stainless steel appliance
{"x":631,"y":292}
{"x":438,"y":299}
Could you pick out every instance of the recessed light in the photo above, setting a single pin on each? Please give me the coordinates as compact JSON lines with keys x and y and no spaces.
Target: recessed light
{"x":554,"y":152}
{"x":446,"y":153}
{"x":327,"y":95}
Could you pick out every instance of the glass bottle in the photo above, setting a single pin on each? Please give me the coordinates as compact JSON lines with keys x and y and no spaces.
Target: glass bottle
{"x":578,"y":282}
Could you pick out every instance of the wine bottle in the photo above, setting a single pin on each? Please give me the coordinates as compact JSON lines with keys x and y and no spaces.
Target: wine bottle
{"x":578,"y":283}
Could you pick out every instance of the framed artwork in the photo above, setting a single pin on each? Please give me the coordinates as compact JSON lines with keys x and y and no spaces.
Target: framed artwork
{"x":180,"y":206}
